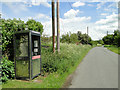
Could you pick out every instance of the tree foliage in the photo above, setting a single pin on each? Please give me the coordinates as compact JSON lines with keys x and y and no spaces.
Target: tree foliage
{"x":73,"y":38}
{"x":108,"y":39}
{"x":76,"y":38}
{"x":65,"y":38}
{"x":35,"y":26}
{"x":45,"y":39}
{"x":83,"y":38}
{"x":9,"y":27}
{"x":113,"y":39}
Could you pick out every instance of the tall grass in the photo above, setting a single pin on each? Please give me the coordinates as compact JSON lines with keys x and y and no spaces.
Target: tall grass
{"x":61,"y":62}
{"x":57,"y":65}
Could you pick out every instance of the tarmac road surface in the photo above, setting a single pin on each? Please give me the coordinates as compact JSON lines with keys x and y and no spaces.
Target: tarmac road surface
{"x":99,"y":69}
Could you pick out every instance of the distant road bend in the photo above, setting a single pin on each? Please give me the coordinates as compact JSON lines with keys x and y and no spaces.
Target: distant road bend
{"x":99,"y":69}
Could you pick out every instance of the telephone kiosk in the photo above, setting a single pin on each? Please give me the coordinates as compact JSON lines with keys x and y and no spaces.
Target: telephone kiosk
{"x":27,"y":54}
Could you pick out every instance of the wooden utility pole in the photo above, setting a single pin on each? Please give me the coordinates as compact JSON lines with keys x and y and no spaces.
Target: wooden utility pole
{"x":58,"y":28}
{"x":87,"y":30}
{"x":53,"y":24}
{"x":107,"y":32}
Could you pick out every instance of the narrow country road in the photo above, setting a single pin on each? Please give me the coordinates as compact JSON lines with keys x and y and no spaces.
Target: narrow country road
{"x":99,"y":69}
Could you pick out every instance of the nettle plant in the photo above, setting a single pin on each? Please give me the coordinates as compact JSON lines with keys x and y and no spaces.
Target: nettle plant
{"x":7,"y":69}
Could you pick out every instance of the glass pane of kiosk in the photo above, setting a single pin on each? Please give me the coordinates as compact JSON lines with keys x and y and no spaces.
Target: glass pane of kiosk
{"x":36,"y":55}
{"x":22,"y":60}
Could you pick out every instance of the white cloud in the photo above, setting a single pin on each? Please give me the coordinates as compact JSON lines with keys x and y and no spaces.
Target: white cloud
{"x":29,"y":2}
{"x":114,"y":4}
{"x":108,"y":20}
{"x":38,"y":2}
{"x":19,"y":7}
{"x":41,"y":16}
{"x":112,"y":7}
{"x":24,"y":0}
{"x":97,"y":30}
{"x":100,"y":5}
{"x":2,"y":14}
{"x":67,"y":25}
{"x":109,"y":10}
{"x":76,"y":19}
{"x":16,"y":7}
{"x":46,"y":4}
{"x":63,"y":0}
{"x":11,"y":0}
{"x":110,"y":23}
{"x":71,"y":13}
{"x":103,"y":14}
{"x":34,"y":2}
{"x":77,"y":4}
{"x":38,"y":17}
{"x":73,"y":23}
{"x":91,"y":5}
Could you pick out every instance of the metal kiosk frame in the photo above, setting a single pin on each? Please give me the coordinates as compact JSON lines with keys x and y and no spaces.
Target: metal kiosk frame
{"x":27,"y":54}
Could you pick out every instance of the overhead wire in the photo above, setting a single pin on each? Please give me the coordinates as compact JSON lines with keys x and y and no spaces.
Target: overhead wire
{"x":76,"y":14}
{"x":61,"y":21}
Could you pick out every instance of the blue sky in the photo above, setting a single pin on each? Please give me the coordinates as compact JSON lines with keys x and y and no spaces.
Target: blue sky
{"x":100,"y":17}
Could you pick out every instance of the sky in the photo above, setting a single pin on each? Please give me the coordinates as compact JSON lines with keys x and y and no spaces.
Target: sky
{"x":75,"y":15}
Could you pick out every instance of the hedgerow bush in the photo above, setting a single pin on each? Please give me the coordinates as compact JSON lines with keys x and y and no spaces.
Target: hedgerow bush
{"x":107,"y":45}
{"x":9,"y":27}
{"x":112,"y":39}
{"x":7,"y":69}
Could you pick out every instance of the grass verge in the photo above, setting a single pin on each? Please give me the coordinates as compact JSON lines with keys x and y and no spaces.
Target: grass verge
{"x":113,"y":48}
{"x":55,"y":67}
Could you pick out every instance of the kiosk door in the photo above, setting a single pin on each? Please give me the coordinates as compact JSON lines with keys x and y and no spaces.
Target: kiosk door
{"x":35,"y":55}
{"x":22,"y":55}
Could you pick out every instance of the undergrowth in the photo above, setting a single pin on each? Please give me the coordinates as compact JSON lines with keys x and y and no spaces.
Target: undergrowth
{"x":57,"y":66}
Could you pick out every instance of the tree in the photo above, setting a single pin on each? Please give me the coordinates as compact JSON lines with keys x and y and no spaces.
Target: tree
{"x":100,"y":42}
{"x":108,"y":39}
{"x":73,"y":38}
{"x":9,"y":27}
{"x":83,"y":38}
{"x":116,"y":38}
{"x":65,"y":38}
{"x":35,"y":26}
{"x":113,"y":39}
{"x":79,"y":35}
